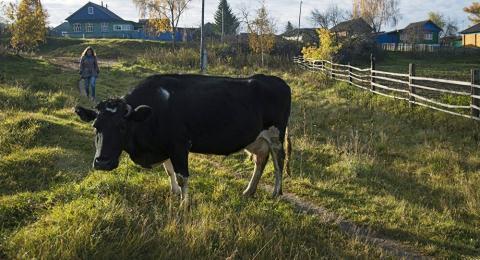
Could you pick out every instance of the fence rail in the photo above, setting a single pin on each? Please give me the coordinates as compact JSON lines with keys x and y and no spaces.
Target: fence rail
{"x":448,"y":96}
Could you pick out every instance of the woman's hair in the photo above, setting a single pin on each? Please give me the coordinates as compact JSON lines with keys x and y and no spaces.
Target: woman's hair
{"x":84,"y":53}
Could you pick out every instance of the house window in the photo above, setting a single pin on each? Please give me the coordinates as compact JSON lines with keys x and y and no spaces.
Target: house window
{"x":342,"y":34}
{"x":122,"y":27}
{"x":90,"y":10}
{"x":77,"y":27}
{"x":89,"y":27}
{"x":104,"y":27}
{"x":428,"y":36}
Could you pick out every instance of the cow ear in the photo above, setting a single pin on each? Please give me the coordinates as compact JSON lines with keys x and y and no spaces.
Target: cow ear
{"x":141,"y":113}
{"x":85,"y":114}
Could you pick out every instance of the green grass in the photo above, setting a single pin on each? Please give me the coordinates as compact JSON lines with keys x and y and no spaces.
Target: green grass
{"x":411,"y":175}
{"x":446,"y":66}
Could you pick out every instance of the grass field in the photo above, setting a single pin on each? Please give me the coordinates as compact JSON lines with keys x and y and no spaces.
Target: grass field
{"x":411,"y":175}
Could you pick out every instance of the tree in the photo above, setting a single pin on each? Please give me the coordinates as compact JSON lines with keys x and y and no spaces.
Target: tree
{"x":289,"y":27}
{"x":226,"y":23}
{"x":261,"y":31}
{"x":332,"y":16}
{"x":156,"y":26}
{"x":474,"y":11}
{"x":164,"y":9}
{"x":377,"y":13}
{"x":327,"y":48}
{"x":448,"y":25}
{"x":28,"y":24}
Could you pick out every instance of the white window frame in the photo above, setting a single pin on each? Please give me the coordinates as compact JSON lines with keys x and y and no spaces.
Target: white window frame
{"x":428,"y":36}
{"x":104,"y":27}
{"x":90,"y":10}
{"x":122,"y":27}
{"x":89,"y":27}
{"x":77,"y":27}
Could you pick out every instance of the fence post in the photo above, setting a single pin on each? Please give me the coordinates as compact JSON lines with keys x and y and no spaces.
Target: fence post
{"x":372,"y":74}
{"x":350,"y":80}
{"x":475,"y":91}
{"x":412,"y":90}
{"x":332,"y":76}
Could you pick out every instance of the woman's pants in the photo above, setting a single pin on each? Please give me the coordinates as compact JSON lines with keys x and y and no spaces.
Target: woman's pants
{"x":90,"y":85}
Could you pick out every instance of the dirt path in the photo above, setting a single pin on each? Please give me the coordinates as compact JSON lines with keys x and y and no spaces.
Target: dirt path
{"x":390,"y":247}
{"x":363,"y":233}
{"x":71,"y":63}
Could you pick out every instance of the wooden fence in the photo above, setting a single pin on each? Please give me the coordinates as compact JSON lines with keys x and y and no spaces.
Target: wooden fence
{"x":458,"y":98}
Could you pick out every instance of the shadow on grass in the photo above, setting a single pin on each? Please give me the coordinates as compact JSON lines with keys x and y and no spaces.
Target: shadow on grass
{"x":51,"y":154}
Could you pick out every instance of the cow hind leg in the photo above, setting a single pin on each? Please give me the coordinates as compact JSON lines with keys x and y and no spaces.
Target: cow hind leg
{"x":272,"y":136}
{"x":278,"y":158}
{"x":175,"y":188}
{"x":260,"y":151}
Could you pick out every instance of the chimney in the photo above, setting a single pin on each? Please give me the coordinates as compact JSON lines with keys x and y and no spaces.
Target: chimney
{"x":106,"y":6}
{"x":102,"y":3}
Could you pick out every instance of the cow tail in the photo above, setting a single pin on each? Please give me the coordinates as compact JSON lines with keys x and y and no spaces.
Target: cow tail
{"x":288,"y":152}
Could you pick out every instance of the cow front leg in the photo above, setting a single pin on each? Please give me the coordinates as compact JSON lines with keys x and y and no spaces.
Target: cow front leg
{"x":179,"y":159}
{"x":174,"y":187}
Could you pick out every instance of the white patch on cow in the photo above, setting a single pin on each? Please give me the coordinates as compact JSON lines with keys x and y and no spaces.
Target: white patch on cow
{"x":111,"y":110}
{"x":164,"y":93}
{"x":173,"y":177}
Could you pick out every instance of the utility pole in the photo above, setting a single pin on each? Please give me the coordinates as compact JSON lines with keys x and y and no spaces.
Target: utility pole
{"x":202,"y":40}
{"x":299,"y":21}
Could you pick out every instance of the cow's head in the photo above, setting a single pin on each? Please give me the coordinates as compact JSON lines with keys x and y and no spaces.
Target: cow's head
{"x":111,"y":119}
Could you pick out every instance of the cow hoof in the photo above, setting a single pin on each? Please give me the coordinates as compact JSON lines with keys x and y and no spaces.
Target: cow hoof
{"x":176,"y":191}
{"x":185,"y":204}
{"x":248,"y":193}
{"x":277,"y":194}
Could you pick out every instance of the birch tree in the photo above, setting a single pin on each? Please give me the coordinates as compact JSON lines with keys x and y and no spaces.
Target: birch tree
{"x":163,"y":9}
{"x":377,"y":13}
{"x":261,"y":31}
{"x":474,"y":12}
{"x":28,"y":24}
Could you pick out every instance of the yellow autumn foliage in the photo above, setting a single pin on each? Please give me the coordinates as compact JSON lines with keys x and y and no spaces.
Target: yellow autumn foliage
{"x":327,"y":48}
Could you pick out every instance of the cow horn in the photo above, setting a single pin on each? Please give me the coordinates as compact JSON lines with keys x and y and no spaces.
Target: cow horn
{"x":129,"y":110}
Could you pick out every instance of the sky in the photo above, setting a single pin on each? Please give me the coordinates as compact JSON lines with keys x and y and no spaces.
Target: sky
{"x":281,"y":10}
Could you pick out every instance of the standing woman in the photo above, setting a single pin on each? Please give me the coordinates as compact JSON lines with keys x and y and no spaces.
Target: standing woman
{"x":89,"y":71}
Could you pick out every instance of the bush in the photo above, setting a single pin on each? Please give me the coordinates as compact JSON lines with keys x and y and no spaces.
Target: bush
{"x":357,"y":50}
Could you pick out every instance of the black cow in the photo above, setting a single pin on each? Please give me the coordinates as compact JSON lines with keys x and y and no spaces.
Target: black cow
{"x":166,"y":117}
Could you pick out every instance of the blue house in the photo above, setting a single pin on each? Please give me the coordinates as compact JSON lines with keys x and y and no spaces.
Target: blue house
{"x":388,"y":37}
{"x":97,"y":21}
{"x":424,"y":32}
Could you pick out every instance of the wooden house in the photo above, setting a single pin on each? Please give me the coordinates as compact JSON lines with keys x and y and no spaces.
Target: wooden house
{"x":97,"y":21}
{"x":471,"y":36}
{"x":424,"y":32}
{"x":352,"y":28}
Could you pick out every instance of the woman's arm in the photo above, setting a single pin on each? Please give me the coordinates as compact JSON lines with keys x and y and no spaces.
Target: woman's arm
{"x":81,"y":65}
{"x":96,"y":66}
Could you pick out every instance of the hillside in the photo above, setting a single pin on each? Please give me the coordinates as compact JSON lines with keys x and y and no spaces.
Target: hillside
{"x":409,"y":175}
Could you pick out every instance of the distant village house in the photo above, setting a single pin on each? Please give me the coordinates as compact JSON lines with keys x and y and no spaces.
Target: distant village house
{"x":97,"y":21}
{"x":471,"y":36}
{"x":352,"y":28}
